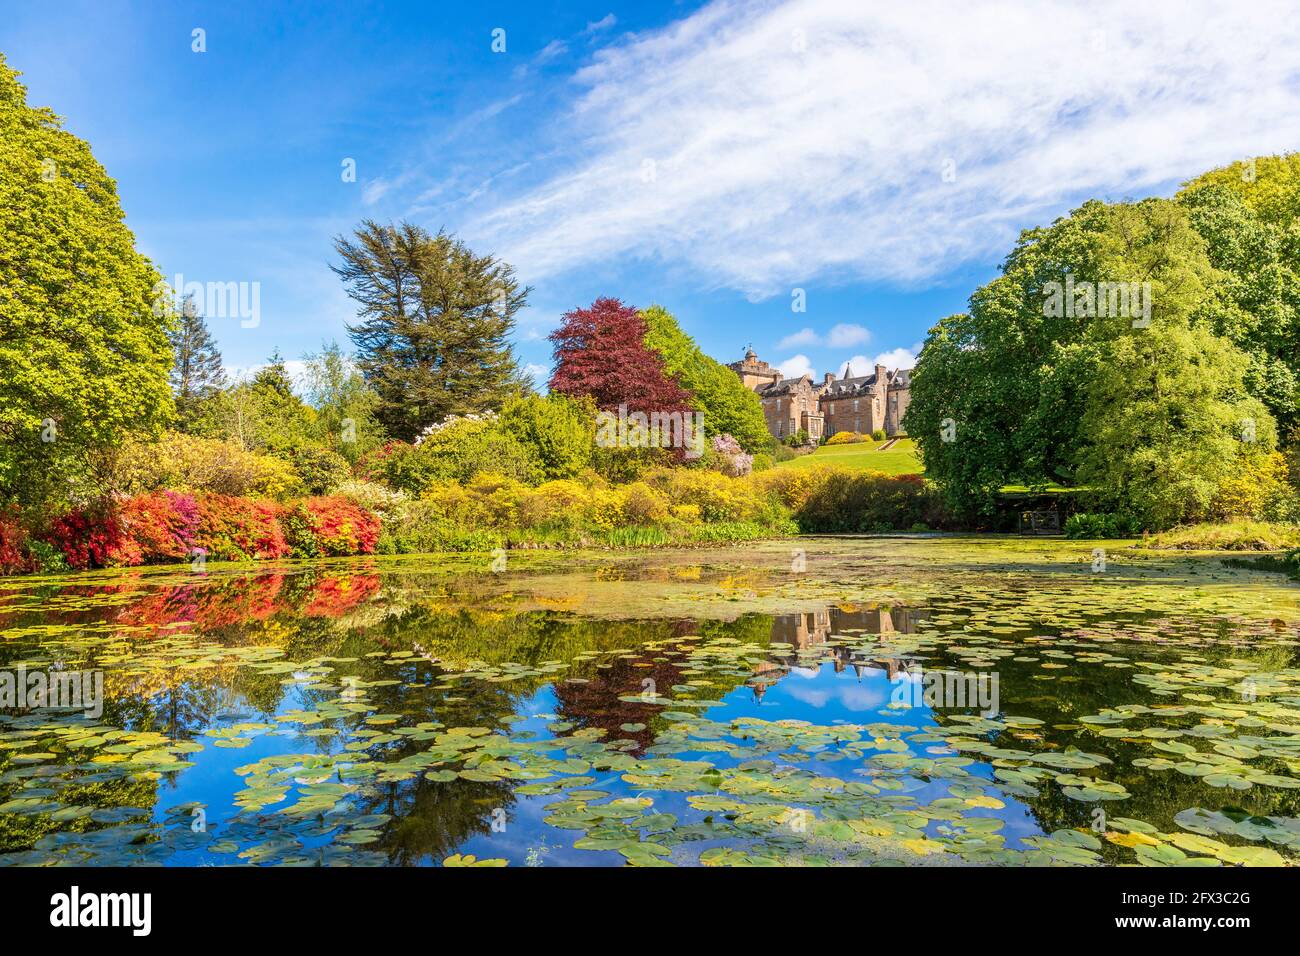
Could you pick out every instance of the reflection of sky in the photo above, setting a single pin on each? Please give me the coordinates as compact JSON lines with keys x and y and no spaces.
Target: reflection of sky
{"x":817,"y":695}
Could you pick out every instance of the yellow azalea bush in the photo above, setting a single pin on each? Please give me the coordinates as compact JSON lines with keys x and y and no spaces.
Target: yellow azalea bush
{"x":194,"y":464}
{"x":1257,"y":482}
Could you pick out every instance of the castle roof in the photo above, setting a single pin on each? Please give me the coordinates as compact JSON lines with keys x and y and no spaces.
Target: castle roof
{"x":786,"y":386}
{"x":856,"y":385}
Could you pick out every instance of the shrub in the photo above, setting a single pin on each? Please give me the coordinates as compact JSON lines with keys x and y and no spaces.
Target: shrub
{"x":730,"y":457}
{"x":162,"y":524}
{"x":557,"y":433}
{"x":93,"y":537}
{"x":46,"y":558}
{"x":318,"y":469}
{"x":845,"y":438}
{"x":331,"y":525}
{"x":376,"y":498}
{"x":190,"y":463}
{"x":1093,"y":525}
{"x":1257,"y":480}
{"x":240,"y":529}
{"x":1232,"y":536}
{"x":838,"y":500}
{"x":457,"y":450}
{"x":879,"y":435}
{"x":14,"y":554}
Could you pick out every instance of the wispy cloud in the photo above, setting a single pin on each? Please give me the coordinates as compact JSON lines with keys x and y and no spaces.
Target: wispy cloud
{"x":604,"y":23}
{"x":552,"y":50}
{"x":843,"y":335}
{"x":762,"y":144}
{"x":802,"y":337}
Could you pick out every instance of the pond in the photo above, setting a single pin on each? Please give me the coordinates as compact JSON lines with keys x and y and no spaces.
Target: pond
{"x":878,"y":701}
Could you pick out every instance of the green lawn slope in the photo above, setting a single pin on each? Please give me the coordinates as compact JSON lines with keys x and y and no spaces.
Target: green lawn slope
{"x":902,"y":459}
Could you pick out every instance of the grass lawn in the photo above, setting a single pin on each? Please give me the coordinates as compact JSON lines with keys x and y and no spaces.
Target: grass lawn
{"x":899,"y":460}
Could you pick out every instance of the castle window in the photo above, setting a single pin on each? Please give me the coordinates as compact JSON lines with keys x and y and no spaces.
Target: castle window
{"x":855,"y":404}
{"x":831,"y":408}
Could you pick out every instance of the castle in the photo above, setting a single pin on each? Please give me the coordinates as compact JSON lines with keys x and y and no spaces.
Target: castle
{"x":861,"y":403}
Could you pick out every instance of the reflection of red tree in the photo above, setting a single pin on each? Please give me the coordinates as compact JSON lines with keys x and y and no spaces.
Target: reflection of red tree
{"x":596,"y":703}
{"x":209,"y":605}
{"x":335,"y":595}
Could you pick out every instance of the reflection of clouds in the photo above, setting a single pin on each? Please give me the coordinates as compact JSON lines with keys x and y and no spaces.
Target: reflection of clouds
{"x":807,"y":673}
{"x":851,"y":695}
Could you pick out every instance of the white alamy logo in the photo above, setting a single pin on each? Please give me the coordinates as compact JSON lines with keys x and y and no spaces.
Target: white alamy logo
{"x":24,"y":690}
{"x":940,"y":690}
{"x":1123,"y":300}
{"x":75,"y":909}
{"x":217,"y":300}
{"x":656,"y":430}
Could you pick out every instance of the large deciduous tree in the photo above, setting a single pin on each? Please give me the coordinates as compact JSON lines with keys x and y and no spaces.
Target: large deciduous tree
{"x":601,"y":352}
{"x":84,"y":350}
{"x":728,"y":406}
{"x":435,"y":320}
{"x":1022,"y":391}
{"x":1249,"y":216}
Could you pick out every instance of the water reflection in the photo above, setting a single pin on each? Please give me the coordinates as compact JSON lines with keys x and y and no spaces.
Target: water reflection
{"x":348,"y":687}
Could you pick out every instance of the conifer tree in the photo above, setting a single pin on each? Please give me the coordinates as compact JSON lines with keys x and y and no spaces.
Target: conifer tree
{"x":197,"y":373}
{"x":435,"y":319}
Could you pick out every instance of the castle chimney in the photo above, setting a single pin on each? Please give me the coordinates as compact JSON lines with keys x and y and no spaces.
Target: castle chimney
{"x":829,"y":377}
{"x":882,"y":374}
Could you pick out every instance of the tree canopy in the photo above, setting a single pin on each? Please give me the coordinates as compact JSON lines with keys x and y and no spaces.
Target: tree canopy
{"x":1124,"y":387}
{"x":601,"y":352}
{"x":84,"y":349}
{"x":728,"y":406}
{"x":435,"y":322}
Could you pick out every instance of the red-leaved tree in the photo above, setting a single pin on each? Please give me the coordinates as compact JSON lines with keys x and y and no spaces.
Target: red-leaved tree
{"x":601,"y":352}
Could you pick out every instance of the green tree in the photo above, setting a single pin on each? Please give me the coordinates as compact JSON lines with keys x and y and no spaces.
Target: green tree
{"x":345,"y":405}
{"x":1166,"y":421}
{"x":999,"y":393}
{"x":1247,"y":215}
{"x":264,"y":414}
{"x":557,"y":430}
{"x":435,"y":322}
{"x":84,"y":350}
{"x":728,"y":406}
{"x":197,"y":375}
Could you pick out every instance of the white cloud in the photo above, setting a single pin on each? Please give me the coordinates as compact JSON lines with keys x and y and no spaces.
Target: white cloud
{"x":845,"y":335}
{"x":604,"y":23}
{"x":893,"y":359}
{"x":540,"y":374}
{"x":773,"y":167}
{"x":802,"y":337}
{"x":842,"y":335}
{"x":552,"y":50}
{"x":796,"y":366}
{"x":899,"y":358}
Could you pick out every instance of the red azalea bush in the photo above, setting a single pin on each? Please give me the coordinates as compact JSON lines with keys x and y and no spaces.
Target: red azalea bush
{"x":170,"y":526}
{"x":163,"y":524}
{"x":331,"y":525}
{"x":239,"y":529}
{"x":13,"y":539}
{"x":95,"y":537}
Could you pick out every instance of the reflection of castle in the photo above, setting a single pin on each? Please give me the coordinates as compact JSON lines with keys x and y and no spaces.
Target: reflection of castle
{"x":810,"y":629}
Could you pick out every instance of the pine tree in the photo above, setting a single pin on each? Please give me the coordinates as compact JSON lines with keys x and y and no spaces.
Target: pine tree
{"x":601,"y":352}
{"x":435,"y":322}
{"x":196,"y":373}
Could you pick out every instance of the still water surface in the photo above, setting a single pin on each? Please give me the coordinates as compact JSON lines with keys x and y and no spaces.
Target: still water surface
{"x":900,"y":701}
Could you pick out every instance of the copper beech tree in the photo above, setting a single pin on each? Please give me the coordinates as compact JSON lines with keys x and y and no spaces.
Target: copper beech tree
{"x":601,"y":352}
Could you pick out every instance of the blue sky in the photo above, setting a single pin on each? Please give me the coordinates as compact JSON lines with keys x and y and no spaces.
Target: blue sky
{"x":711,"y":157}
